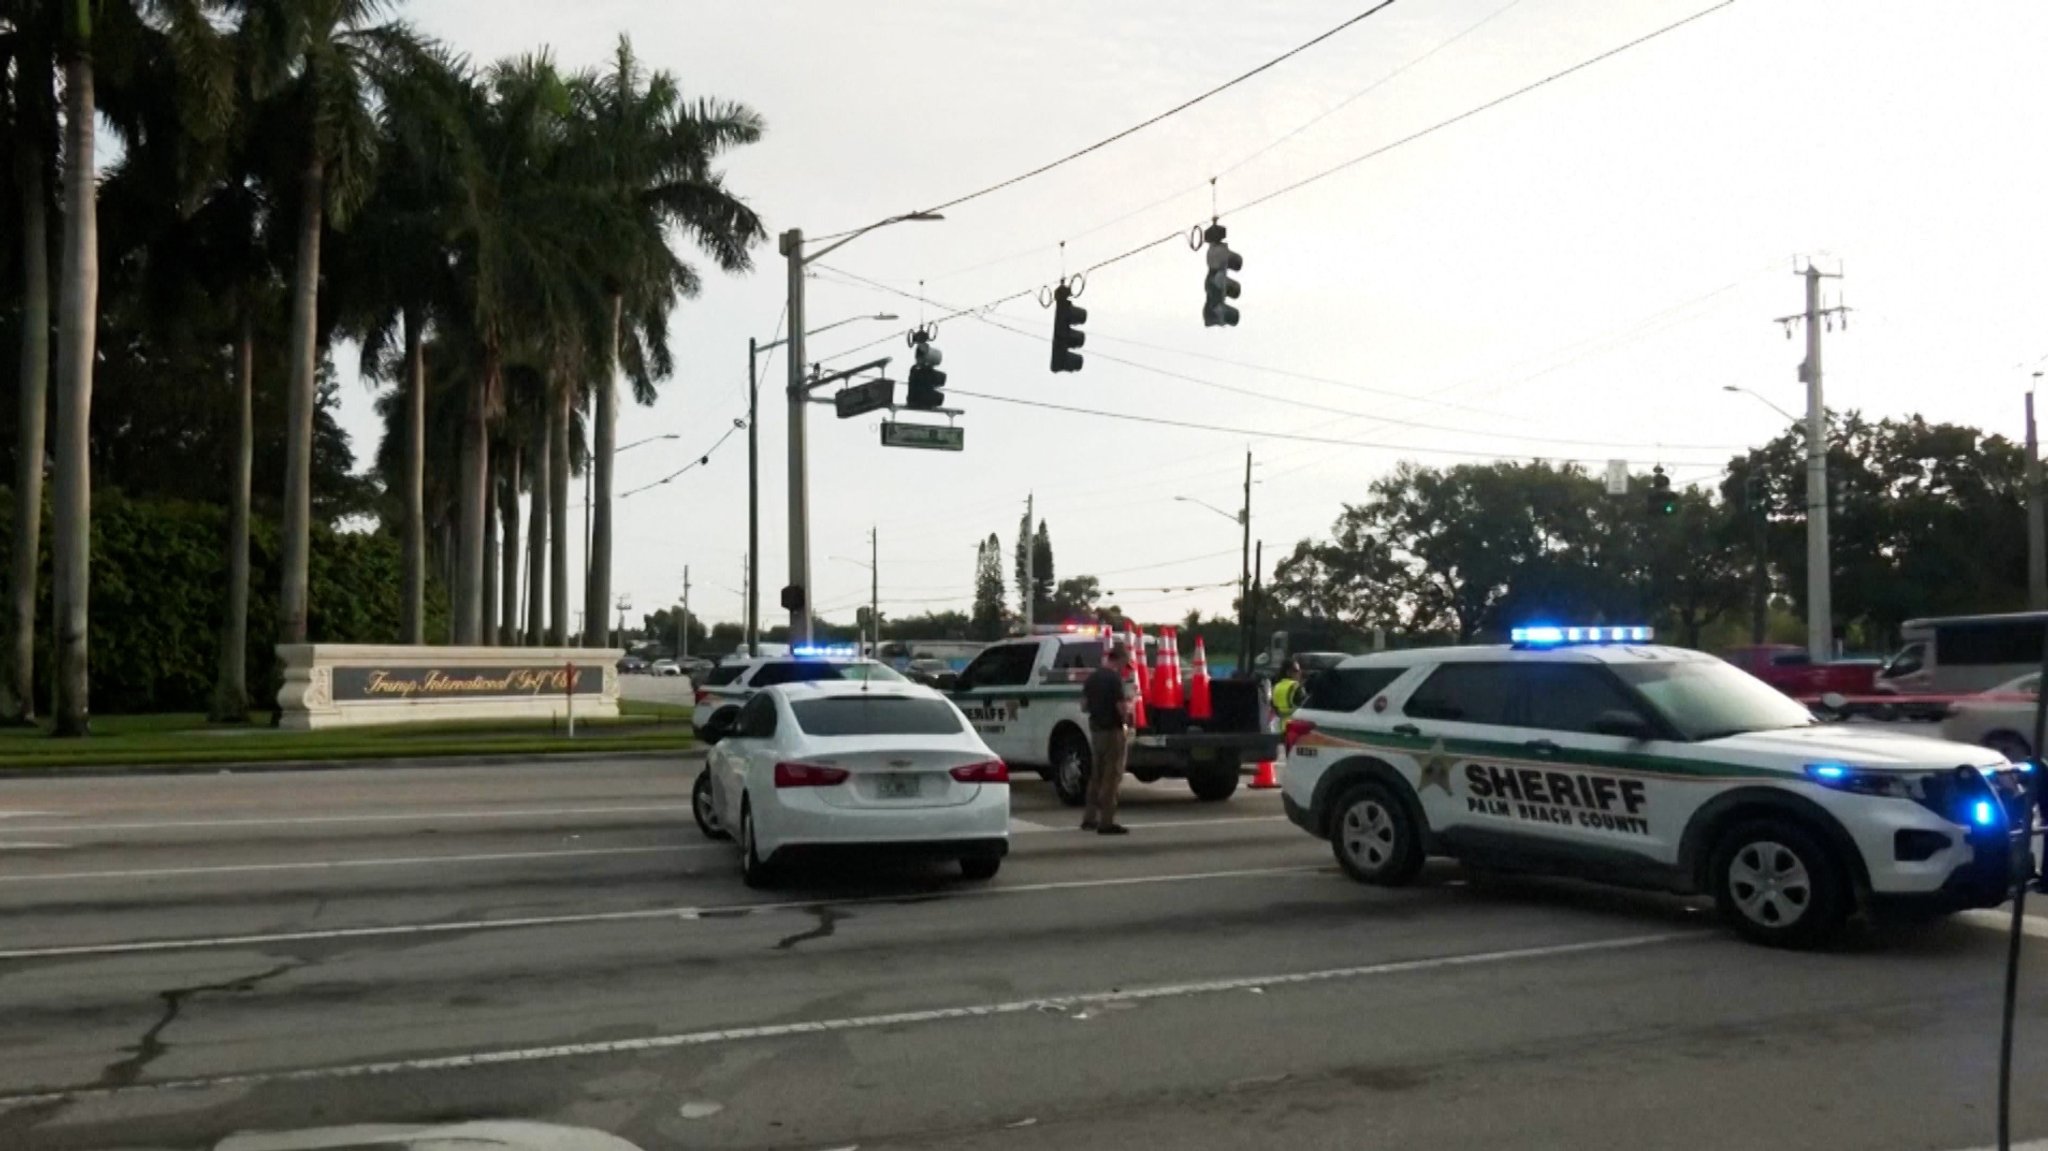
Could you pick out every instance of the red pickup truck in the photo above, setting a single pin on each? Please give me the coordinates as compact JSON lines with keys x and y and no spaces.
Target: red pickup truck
{"x":1789,"y":669}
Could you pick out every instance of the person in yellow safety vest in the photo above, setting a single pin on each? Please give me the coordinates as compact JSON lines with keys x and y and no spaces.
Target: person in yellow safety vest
{"x":1287,"y":692}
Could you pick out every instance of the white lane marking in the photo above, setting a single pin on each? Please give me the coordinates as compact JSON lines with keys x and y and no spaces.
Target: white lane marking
{"x":1025,"y":826}
{"x":340,"y":864}
{"x":858,"y":1022}
{"x":2036,"y":1145}
{"x":31,"y":847}
{"x":1019,"y":825}
{"x":145,"y":946}
{"x":2001,"y":920}
{"x":378,"y":817}
{"x":28,"y":814}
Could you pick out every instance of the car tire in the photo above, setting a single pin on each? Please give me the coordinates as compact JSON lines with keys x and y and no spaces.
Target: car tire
{"x":705,"y":809}
{"x":980,"y":867}
{"x":2013,"y":747}
{"x":1777,"y":883}
{"x":755,"y":872}
{"x":1071,"y":765}
{"x":1215,"y":784}
{"x":1374,"y":837}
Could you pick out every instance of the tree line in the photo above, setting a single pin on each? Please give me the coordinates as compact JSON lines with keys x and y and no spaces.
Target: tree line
{"x":1925,"y":519}
{"x":502,"y":240}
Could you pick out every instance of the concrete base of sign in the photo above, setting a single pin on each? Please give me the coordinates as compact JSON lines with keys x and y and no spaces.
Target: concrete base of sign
{"x":351,"y":685}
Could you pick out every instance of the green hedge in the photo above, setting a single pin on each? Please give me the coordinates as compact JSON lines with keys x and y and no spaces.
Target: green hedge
{"x":159,"y":591}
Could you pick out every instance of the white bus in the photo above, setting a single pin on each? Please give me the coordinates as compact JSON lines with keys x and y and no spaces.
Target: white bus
{"x":1953,"y":655}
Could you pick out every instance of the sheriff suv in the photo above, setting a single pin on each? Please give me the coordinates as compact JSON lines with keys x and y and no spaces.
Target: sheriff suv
{"x":1593,"y":753}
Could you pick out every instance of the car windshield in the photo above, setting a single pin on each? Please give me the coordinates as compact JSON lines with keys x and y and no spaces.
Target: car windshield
{"x":1708,"y":699}
{"x":720,"y":676}
{"x":876,"y":715}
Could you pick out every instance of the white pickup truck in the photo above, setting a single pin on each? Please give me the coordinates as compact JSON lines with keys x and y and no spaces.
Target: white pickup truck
{"x":1024,"y":698}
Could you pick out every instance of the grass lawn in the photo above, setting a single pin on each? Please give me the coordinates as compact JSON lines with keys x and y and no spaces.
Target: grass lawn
{"x":137,"y":740}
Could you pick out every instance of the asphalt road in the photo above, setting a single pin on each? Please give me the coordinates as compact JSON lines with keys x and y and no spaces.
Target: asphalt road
{"x":551,"y":957}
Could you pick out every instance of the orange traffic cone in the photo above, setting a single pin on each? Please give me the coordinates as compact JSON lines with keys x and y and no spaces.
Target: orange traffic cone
{"x":1169,"y":668}
{"x":1267,"y":777}
{"x":1134,"y":683}
{"x":1198,"y":687}
{"x":1143,"y":675}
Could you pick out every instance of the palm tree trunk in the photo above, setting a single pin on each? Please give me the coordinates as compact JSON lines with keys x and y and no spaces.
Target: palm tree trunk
{"x":597,"y":596}
{"x":558,"y":516}
{"x":473,"y":509}
{"x":298,"y":442}
{"x":18,"y":688}
{"x":537,"y":542}
{"x":508,"y":509}
{"x":487,"y":617}
{"x":413,"y":605}
{"x":231,"y":692}
{"x":77,"y":328}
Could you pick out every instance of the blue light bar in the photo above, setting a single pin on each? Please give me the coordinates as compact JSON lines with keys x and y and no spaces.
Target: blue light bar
{"x":1984,"y":812}
{"x":1546,"y":635}
{"x":825,"y":651}
{"x":1827,"y":772}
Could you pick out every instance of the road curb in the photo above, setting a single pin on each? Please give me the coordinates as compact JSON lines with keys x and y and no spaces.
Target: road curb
{"x":527,"y":759}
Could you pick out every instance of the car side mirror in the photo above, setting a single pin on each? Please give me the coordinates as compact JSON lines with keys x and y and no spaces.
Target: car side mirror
{"x":1622,"y":724}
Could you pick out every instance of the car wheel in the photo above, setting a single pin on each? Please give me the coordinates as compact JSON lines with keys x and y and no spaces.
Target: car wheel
{"x":1214,"y":785}
{"x":1070,"y":767}
{"x":1374,"y":838}
{"x":981,"y":866}
{"x":704,"y":809}
{"x":2012,"y":747}
{"x":754,"y":871}
{"x":1777,"y":884}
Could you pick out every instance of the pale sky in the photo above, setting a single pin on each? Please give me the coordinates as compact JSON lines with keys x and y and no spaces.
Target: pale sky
{"x":1583,"y":267}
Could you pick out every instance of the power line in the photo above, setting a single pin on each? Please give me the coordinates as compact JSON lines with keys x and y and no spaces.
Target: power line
{"x":1142,"y":125}
{"x":1327,"y":172}
{"x":703,"y":457}
{"x":1291,"y":436}
{"x":1471,"y":112}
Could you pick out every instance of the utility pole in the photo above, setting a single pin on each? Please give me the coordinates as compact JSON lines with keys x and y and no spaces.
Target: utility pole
{"x":797,"y":596}
{"x":1030,"y":562}
{"x":624,"y":601}
{"x":747,"y":602}
{"x":752,"y":582}
{"x":1244,"y":579}
{"x":875,"y":590}
{"x":683,"y":626}
{"x":1820,"y":627}
{"x":2037,"y":530}
{"x":1251,"y":629}
{"x":1760,"y":591}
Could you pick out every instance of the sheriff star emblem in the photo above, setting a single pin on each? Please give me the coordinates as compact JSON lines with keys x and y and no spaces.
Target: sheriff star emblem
{"x":1436,"y":770}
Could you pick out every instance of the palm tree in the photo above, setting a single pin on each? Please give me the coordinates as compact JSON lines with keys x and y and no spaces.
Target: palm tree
{"x":651,"y":155}
{"x":328,"y":61}
{"x":31,"y":129}
{"x":393,"y":272}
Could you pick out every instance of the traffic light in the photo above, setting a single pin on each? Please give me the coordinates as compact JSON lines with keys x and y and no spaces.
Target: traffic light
{"x":1662,"y":500}
{"x":1217,"y":286}
{"x":926,"y":380}
{"x":1067,"y":318}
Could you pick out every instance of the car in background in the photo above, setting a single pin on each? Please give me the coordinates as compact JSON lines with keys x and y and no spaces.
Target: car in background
{"x":1790,"y":669}
{"x":825,"y":767}
{"x":664,"y":667}
{"x":727,"y":687}
{"x":632,"y":665}
{"x":932,"y":673}
{"x":2001,"y":719}
{"x":694,"y":666}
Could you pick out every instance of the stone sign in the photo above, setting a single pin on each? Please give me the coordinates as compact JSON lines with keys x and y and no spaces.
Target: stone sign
{"x":335,"y":685}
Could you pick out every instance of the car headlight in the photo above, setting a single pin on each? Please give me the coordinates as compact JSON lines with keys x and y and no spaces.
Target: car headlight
{"x":1961,"y":795}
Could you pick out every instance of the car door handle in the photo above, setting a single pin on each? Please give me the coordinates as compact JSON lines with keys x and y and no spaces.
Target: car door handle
{"x":1542,"y":747}
{"x":1408,"y":729}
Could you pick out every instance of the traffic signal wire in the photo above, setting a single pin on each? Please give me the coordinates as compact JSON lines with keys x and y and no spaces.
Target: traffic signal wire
{"x":1134,"y":129}
{"x":703,"y":458}
{"x":1293,"y":437}
{"x":1382,"y":150}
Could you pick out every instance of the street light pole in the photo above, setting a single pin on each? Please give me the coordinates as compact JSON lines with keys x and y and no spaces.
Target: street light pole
{"x":797,"y":595}
{"x":753,"y":502}
{"x":1244,"y":581}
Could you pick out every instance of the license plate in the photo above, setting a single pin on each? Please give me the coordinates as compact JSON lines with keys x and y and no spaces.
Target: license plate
{"x":897,"y":786}
{"x":1202,"y":754}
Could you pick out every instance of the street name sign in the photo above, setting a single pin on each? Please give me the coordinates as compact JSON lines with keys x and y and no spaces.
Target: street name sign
{"x":933,"y":436}
{"x":860,"y":399}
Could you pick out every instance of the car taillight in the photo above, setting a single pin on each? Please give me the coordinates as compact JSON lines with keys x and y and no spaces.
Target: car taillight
{"x":701,"y":695}
{"x":994,"y":771}
{"x":1295,"y":731}
{"x":808,"y":775}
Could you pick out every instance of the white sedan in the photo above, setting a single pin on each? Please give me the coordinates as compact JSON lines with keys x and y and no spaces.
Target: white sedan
{"x":811,"y":769}
{"x":2001,"y":719}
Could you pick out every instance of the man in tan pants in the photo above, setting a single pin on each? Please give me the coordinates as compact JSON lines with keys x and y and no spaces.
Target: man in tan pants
{"x":1106,"y":695}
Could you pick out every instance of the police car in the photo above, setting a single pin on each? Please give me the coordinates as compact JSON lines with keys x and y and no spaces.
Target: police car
{"x":1594,"y":753}
{"x":725,"y":688}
